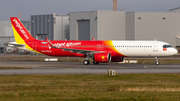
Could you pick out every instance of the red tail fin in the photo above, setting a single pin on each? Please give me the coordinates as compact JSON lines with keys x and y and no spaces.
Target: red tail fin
{"x":20,"y":31}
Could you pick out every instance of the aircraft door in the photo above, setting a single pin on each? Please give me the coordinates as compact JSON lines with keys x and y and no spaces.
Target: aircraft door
{"x":155,"y":47}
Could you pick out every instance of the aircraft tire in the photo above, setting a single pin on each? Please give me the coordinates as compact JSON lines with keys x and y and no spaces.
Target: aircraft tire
{"x":157,"y":63}
{"x":95,"y":63}
{"x":86,"y":62}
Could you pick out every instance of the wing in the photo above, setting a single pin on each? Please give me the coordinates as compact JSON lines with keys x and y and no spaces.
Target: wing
{"x":80,"y":51}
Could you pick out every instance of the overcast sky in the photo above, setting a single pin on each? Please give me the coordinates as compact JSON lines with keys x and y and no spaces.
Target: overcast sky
{"x":9,"y":8}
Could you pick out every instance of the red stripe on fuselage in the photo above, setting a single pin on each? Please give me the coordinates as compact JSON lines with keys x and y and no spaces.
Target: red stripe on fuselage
{"x":43,"y":47}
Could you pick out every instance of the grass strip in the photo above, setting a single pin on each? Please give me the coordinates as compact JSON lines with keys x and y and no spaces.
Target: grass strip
{"x":87,"y":87}
{"x":14,"y":68}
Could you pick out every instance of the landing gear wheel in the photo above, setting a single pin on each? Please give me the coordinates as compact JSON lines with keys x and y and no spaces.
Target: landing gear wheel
{"x":95,"y":63}
{"x":157,"y":63}
{"x":86,"y":62}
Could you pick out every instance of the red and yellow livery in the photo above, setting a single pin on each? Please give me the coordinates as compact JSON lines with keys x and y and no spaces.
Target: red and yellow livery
{"x":100,"y":51}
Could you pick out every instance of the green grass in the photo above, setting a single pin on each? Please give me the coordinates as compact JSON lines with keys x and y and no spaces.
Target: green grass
{"x":127,"y":87}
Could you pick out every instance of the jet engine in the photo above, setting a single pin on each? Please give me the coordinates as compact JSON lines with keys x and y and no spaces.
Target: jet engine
{"x":102,"y":57}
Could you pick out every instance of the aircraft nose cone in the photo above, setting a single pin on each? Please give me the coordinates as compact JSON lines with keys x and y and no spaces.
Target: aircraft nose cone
{"x":175,"y":51}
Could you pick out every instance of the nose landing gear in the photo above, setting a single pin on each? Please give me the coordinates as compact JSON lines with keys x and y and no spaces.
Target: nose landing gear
{"x":157,"y":63}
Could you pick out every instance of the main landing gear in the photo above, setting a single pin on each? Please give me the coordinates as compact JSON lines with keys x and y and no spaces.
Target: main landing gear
{"x":87,"y":62}
{"x":95,"y":63}
{"x":157,"y":63}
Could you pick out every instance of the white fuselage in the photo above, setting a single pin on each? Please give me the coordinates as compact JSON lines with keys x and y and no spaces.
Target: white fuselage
{"x":144,"y":48}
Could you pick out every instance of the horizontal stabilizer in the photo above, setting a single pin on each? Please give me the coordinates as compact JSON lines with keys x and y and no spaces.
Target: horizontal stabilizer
{"x":14,"y":44}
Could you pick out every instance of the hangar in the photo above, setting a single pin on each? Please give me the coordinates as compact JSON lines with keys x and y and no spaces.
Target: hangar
{"x":52,"y":26}
{"x":101,"y":25}
{"x":162,"y":26}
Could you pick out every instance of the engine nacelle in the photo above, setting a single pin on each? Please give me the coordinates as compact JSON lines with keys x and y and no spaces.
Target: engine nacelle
{"x":117,"y":59}
{"x":102,"y":57}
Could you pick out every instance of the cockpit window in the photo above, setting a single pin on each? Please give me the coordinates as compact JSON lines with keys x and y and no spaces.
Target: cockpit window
{"x":166,"y":46}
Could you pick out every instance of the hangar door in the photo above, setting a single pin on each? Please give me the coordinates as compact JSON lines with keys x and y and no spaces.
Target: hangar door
{"x":83,"y":29}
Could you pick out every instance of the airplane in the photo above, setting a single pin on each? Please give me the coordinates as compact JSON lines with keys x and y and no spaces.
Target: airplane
{"x":101,"y":51}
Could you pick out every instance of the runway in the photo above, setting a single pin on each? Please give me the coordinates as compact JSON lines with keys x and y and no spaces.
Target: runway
{"x":79,"y":68}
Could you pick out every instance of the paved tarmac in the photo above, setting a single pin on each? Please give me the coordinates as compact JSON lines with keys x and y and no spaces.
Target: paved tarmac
{"x":78,"y":68}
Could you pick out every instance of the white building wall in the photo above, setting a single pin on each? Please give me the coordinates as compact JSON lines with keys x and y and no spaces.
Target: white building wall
{"x":65,"y":27}
{"x":5,"y":28}
{"x":61,"y":27}
{"x":88,"y":15}
{"x":130,"y":26}
{"x":104,"y":25}
{"x":111,"y":25}
{"x":8,"y":31}
{"x":57,"y":28}
{"x":162,"y":26}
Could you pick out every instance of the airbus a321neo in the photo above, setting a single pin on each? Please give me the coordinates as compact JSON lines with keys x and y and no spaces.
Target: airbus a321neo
{"x":101,"y":51}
